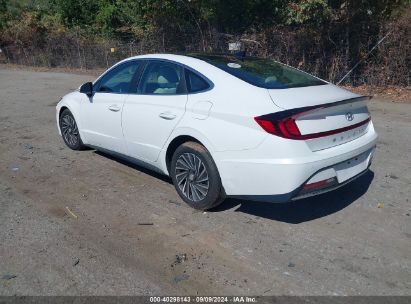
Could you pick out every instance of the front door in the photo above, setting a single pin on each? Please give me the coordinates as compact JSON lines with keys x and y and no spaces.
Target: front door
{"x":101,"y":114}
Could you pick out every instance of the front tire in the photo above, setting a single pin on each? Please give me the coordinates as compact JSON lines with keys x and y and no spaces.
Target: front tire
{"x":69,"y":131}
{"x":195,"y":176}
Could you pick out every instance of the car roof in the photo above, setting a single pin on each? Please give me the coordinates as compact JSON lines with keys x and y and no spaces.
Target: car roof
{"x":173,"y":57}
{"x":208,"y":70}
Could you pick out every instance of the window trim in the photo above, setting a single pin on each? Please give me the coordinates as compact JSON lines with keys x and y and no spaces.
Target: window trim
{"x":137,"y":73}
{"x":185,"y":67}
{"x":150,"y":60}
{"x":208,"y":81}
{"x":135,"y":81}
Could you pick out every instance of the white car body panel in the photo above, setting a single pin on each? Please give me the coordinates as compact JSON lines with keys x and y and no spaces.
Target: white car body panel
{"x":251,"y":162}
{"x":258,"y":172}
{"x":148,"y":121}
{"x":100,"y":118}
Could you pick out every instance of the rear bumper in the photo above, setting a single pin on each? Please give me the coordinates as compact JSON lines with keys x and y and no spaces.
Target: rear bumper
{"x":298,"y":193}
{"x":251,"y":175}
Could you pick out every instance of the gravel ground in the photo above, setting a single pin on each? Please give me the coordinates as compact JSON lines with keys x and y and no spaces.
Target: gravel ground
{"x":71,"y":222}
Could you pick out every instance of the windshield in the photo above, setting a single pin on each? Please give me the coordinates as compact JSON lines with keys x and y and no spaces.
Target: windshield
{"x":265,"y":73}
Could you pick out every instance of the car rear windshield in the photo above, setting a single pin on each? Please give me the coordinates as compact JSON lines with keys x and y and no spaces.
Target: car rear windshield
{"x":265,"y":73}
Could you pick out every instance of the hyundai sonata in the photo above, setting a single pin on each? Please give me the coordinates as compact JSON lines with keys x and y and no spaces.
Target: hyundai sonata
{"x":221,"y":125}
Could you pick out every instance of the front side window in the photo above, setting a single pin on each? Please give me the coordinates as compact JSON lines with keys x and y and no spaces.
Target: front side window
{"x":161,"y":78}
{"x":265,"y":73}
{"x":196,"y":83}
{"x":118,"y":80}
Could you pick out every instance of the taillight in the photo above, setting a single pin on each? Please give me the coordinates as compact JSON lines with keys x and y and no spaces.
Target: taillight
{"x":283,"y":124}
{"x":267,"y":125}
{"x":286,"y":128}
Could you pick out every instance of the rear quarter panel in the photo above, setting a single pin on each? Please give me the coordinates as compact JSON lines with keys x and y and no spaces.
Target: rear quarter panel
{"x":228,"y":119}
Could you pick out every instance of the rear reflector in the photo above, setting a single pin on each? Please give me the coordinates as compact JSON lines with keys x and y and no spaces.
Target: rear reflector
{"x":283,"y":124}
{"x":319,"y":184}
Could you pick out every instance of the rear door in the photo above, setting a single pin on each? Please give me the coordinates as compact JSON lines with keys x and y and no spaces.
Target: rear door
{"x":152,"y":112}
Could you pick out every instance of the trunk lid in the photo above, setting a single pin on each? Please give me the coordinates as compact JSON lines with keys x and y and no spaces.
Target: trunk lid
{"x":309,"y":96}
{"x":326,"y":115}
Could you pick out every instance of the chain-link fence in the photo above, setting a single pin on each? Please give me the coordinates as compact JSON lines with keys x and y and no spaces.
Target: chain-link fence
{"x":72,"y":55}
{"x":390,"y":64}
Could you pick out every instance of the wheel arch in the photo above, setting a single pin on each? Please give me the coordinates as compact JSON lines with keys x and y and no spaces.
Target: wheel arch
{"x":60,"y":111}
{"x":174,"y":144}
{"x":180,"y":136}
{"x":74,"y":107}
{"x":64,"y":107}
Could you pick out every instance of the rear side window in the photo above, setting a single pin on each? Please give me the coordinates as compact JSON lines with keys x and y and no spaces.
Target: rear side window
{"x":196,"y":83}
{"x":118,"y":79}
{"x":162,"y":78}
{"x":264,"y":73}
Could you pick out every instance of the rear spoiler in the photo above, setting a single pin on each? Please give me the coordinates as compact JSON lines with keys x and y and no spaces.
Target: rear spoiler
{"x":296,"y":111}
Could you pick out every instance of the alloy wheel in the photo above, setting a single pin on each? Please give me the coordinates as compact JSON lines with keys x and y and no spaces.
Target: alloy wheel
{"x":69,"y":130}
{"x":192,"y":177}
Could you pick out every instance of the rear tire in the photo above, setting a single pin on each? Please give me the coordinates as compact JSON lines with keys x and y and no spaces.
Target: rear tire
{"x":195,"y":176}
{"x":69,"y":131}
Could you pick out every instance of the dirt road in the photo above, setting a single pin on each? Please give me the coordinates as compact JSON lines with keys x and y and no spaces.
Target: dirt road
{"x":354,"y":241}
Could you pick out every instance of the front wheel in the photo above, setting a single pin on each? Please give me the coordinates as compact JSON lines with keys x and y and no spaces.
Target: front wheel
{"x":195,"y":176}
{"x":69,"y":131}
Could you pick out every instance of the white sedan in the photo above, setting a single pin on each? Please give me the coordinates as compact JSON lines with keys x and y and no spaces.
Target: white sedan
{"x":224,"y":126}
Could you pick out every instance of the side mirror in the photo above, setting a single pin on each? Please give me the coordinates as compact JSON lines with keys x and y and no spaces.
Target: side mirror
{"x":87,"y":89}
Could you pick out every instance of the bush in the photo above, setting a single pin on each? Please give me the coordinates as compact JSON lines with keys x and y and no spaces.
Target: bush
{"x":323,"y":37}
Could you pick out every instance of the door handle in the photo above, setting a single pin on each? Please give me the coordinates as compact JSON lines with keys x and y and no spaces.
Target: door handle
{"x":114,"y":108}
{"x":167,"y":115}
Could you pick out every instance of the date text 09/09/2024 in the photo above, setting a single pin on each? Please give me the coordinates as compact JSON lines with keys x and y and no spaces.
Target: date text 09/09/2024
{"x":203,"y":299}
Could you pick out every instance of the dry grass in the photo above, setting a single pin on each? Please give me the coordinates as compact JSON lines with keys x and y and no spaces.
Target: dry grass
{"x":92,"y":72}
